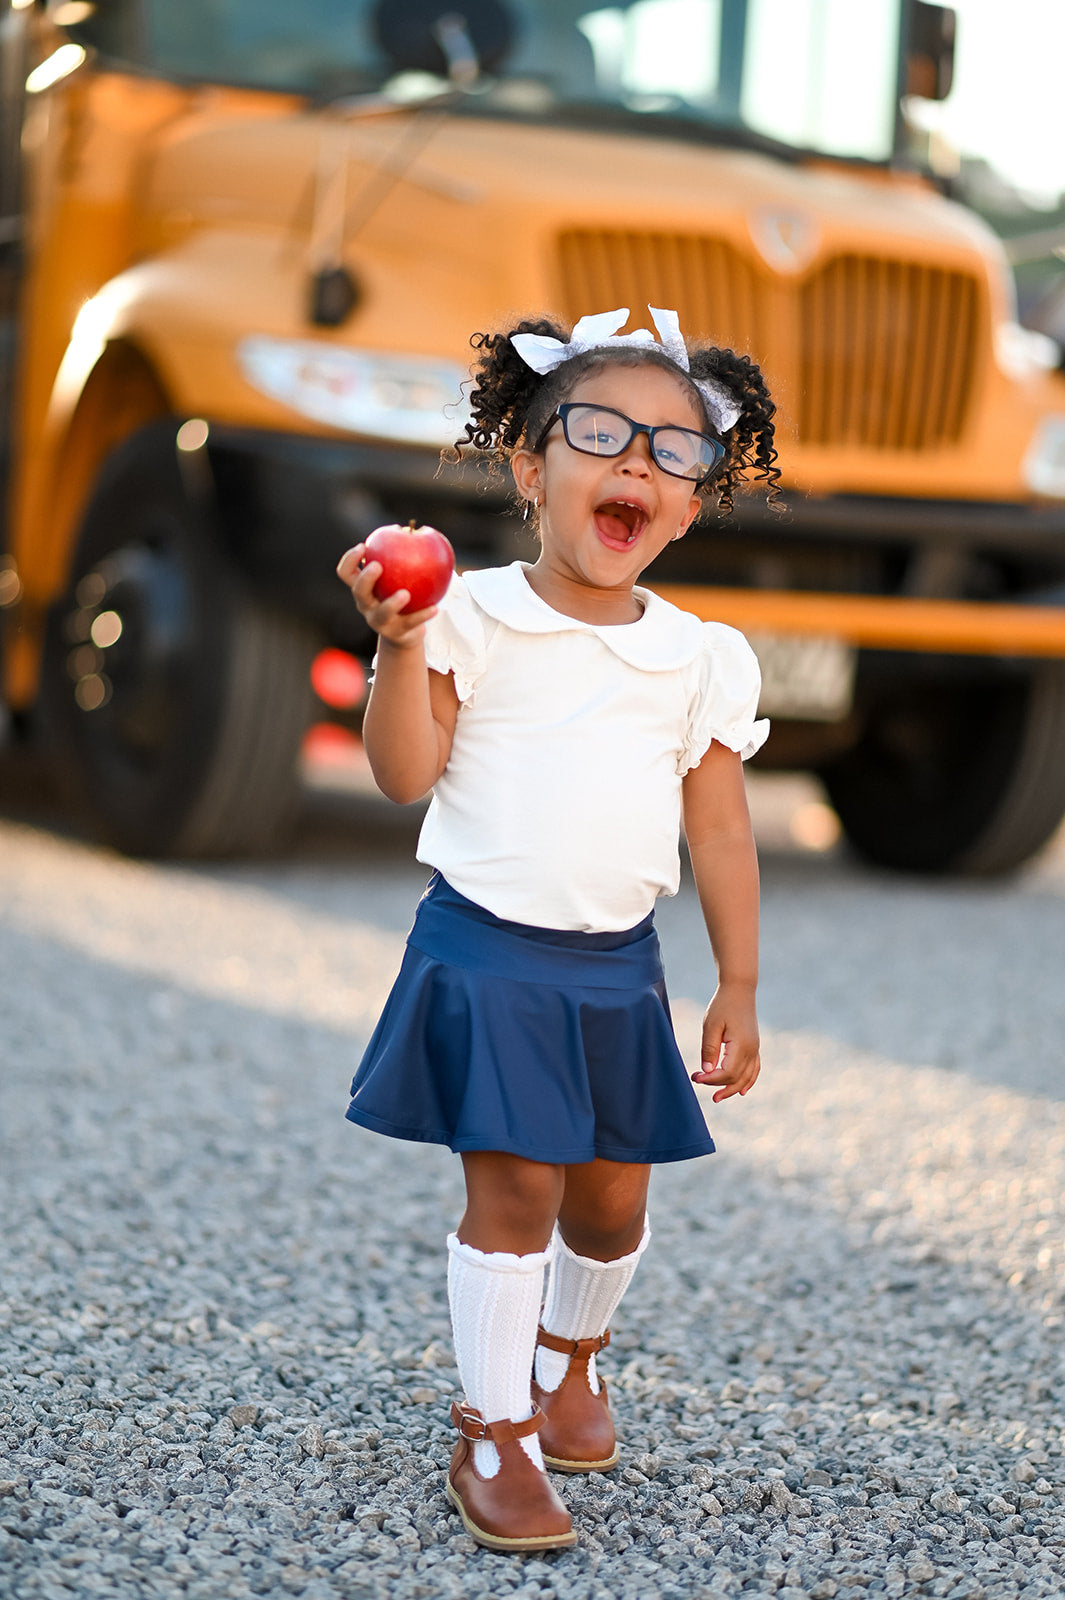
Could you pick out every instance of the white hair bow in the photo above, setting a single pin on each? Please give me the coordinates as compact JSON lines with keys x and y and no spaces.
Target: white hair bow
{"x":600,"y":331}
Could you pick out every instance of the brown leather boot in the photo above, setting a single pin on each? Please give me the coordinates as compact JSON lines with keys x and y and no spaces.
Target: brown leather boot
{"x":517,"y":1509}
{"x":578,"y":1433}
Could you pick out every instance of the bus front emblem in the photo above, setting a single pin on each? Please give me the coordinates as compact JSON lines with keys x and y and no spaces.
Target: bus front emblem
{"x":786,"y":240}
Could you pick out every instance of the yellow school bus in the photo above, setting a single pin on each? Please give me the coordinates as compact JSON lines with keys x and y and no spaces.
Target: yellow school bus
{"x":243,"y":246}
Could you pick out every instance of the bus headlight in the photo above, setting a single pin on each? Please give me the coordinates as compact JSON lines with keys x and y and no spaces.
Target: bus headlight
{"x":405,"y":398}
{"x":1044,"y":465}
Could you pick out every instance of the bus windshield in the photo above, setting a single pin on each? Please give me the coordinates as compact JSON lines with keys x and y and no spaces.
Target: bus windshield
{"x":815,"y":75}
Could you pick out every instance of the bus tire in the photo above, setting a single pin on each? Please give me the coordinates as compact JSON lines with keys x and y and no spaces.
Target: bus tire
{"x":957,"y":778}
{"x":175,"y":699}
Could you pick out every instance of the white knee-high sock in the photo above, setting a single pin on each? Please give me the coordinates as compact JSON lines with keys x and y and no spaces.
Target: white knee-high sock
{"x":582,"y":1296}
{"x":495,"y":1303}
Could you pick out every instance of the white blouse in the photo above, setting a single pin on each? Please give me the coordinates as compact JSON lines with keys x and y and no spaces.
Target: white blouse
{"x":560,"y":805}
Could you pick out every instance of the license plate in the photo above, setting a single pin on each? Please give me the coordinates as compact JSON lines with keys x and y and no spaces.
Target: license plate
{"x":811,"y":679}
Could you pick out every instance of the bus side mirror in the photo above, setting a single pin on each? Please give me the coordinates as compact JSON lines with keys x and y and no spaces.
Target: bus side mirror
{"x":930,"y":50}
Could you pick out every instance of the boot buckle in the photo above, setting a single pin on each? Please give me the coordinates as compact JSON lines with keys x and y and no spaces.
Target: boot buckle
{"x":466,"y":1420}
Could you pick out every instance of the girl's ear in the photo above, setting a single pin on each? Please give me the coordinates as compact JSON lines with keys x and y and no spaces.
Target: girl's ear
{"x":528,"y":470}
{"x":695,"y":505}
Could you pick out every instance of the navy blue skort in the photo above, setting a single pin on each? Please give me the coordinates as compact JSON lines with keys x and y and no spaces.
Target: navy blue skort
{"x":544,"y":1043}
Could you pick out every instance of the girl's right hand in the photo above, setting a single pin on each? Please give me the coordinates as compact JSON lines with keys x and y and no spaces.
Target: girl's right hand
{"x":382,"y":615}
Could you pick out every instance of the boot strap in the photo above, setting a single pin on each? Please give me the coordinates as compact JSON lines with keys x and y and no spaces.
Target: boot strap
{"x":472,"y":1426}
{"x":583,"y":1348}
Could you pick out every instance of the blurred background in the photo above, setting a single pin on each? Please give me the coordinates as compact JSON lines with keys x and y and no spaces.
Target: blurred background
{"x":242,"y":250}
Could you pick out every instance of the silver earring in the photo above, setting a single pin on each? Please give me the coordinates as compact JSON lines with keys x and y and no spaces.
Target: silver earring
{"x":678,"y":535}
{"x":528,"y":503}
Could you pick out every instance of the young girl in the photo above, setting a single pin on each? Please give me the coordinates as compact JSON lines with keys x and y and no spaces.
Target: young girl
{"x":563,"y":719}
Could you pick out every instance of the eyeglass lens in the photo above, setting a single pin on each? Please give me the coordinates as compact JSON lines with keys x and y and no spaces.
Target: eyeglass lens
{"x":600,"y":431}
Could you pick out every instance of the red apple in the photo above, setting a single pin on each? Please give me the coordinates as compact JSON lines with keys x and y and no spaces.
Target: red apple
{"x":418,"y":559}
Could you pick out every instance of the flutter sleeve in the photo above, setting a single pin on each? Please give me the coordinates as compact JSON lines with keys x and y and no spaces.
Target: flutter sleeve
{"x":455,"y":638}
{"x":724,"y":700}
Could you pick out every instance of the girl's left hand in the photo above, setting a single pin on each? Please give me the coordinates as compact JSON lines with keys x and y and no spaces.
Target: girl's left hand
{"x":730,"y":1059}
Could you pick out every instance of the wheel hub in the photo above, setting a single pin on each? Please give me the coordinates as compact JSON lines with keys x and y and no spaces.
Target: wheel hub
{"x":130,"y":639}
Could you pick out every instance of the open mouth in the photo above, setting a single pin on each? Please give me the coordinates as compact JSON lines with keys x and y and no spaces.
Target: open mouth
{"x":620,"y":522}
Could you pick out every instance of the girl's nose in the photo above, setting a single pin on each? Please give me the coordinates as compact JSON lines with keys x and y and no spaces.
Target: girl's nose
{"x":637,"y":457}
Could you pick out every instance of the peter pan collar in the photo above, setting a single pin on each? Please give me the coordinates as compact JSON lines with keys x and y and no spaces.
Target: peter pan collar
{"x":662,"y":640}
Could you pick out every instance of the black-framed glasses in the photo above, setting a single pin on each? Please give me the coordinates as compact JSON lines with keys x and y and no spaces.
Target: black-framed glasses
{"x":602,"y":431}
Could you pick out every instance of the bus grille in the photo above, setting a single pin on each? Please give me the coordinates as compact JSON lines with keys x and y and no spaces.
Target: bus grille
{"x":886,"y":352}
{"x":863,"y":352}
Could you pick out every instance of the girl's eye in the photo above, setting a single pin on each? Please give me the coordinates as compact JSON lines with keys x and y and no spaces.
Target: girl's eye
{"x":594,"y":434}
{"x":673,"y":449}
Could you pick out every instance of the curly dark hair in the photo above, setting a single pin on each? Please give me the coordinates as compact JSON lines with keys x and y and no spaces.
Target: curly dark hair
{"x":512,"y":404}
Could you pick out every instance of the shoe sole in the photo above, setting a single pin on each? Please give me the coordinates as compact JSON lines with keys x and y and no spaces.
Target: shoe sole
{"x":557,"y":1464}
{"x":493,"y":1541}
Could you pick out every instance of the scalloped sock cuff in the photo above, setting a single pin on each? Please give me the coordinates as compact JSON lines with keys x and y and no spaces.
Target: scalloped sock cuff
{"x":582,"y":1296}
{"x":495,"y":1306}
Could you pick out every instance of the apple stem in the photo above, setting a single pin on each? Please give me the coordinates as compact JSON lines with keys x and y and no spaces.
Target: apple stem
{"x":411,"y":525}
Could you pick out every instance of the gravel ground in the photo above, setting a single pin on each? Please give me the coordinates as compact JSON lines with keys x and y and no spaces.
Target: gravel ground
{"x":224,"y":1354}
